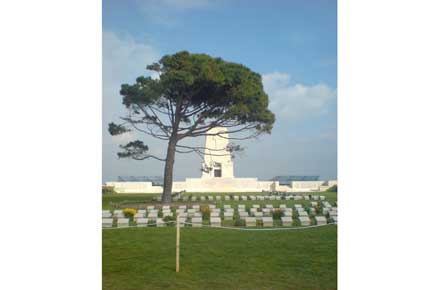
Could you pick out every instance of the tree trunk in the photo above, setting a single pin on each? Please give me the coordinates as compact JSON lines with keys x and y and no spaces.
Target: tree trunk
{"x":168,"y":172}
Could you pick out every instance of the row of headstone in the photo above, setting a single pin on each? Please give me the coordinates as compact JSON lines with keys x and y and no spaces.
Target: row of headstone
{"x":228,"y":211}
{"x":247,"y":197}
{"x":252,"y":221}
{"x":214,"y":221}
{"x":124,"y":222}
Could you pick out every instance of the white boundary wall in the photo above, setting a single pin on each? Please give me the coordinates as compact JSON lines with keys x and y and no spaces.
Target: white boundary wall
{"x":225,"y":184}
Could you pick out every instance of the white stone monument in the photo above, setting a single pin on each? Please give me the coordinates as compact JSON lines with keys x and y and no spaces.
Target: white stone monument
{"x":217,"y":160}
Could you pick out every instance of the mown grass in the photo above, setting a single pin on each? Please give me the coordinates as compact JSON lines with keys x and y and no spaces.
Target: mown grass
{"x":144,"y":258}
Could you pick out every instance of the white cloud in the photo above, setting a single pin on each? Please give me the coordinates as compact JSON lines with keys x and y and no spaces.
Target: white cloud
{"x":297,"y":101}
{"x":167,"y":11}
{"x":124,"y":59}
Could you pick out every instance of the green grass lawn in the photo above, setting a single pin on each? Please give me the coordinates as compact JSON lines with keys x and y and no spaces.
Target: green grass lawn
{"x":111,"y":201}
{"x":144,"y":258}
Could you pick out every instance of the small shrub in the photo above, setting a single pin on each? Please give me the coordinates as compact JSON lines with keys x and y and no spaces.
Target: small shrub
{"x":129,"y":212}
{"x":239,"y":223}
{"x":259,"y":223}
{"x":205,"y":212}
{"x":168,"y":219}
{"x":333,"y":188}
{"x":277,"y":214}
{"x":318,"y":208}
{"x":108,"y":189}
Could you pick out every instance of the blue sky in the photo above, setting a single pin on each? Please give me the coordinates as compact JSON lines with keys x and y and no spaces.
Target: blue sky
{"x":292,"y":44}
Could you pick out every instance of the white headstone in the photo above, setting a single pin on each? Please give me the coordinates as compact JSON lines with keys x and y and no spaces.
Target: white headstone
{"x":286,"y":221}
{"x":267,"y":211}
{"x":152,"y":215}
{"x":268,"y":221}
{"x":287,"y":213}
{"x":228,"y":215}
{"x":122,"y":222}
{"x":142,"y":222}
{"x":320,"y":220}
{"x":196,"y":221}
{"x":304,"y":220}
{"x":138,"y":215}
{"x":107,"y":222}
{"x":215,"y":221}
{"x":250,"y":222}
{"x":243,"y":214}
{"x":167,"y":213}
{"x":160,"y":222}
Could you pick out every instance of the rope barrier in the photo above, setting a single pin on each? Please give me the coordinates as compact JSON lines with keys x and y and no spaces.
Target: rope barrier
{"x":264,"y":229}
{"x":228,"y":228}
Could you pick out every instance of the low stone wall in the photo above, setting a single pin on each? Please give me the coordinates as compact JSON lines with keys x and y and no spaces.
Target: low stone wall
{"x":304,"y":186}
{"x":135,"y":187}
{"x":224,"y":184}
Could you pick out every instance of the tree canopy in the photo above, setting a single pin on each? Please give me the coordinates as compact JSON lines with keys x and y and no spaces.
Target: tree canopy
{"x":191,"y":94}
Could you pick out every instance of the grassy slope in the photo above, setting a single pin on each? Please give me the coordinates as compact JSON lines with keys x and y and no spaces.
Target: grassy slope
{"x":220,"y":259}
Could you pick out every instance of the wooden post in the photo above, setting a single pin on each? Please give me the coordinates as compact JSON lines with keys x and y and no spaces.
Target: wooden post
{"x":178,"y":245}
